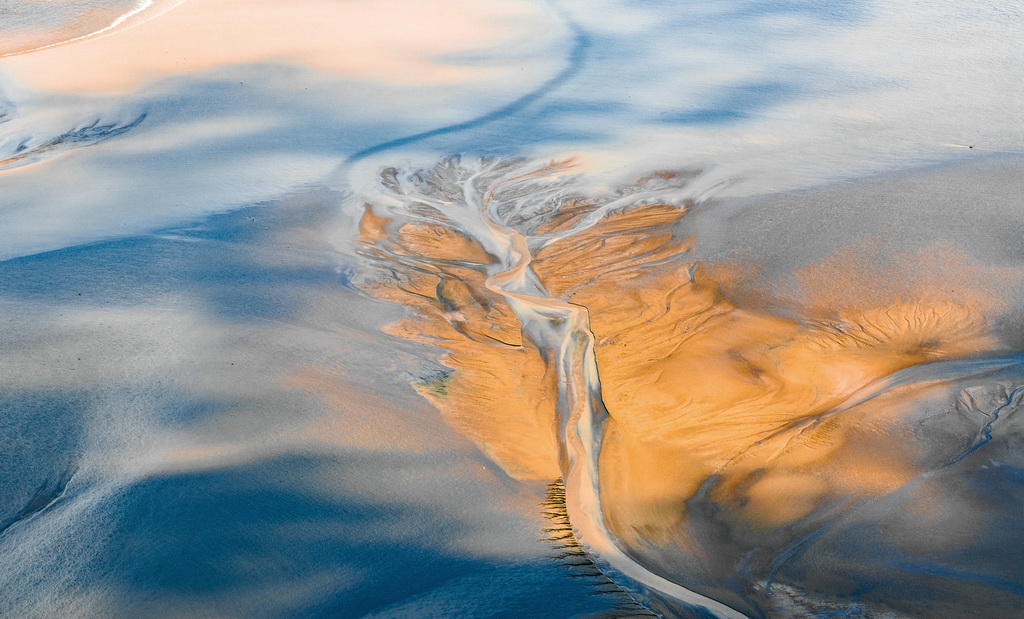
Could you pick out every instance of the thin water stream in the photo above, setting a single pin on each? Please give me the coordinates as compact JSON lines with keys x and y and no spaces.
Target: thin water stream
{"x":561,"y":330}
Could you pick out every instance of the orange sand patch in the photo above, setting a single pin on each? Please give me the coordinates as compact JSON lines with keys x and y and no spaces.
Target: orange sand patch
{"x":500,"y":393}
{"x":698,"y":382}
{"x":697,"y":386}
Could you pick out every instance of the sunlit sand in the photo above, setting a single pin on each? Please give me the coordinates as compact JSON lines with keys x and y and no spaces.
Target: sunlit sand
{"x":362,"y":39}
{"x":703,"y":394}
{"x":539,"y":308}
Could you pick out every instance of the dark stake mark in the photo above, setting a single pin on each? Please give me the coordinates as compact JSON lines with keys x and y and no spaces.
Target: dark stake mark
{"x":574,"y":558}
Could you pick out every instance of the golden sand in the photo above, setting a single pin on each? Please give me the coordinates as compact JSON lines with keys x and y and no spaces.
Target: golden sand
{"x":698,"y":378}
{"x":501,"y":394}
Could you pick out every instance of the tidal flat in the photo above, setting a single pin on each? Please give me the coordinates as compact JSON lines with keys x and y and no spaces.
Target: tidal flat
{"x":404,"y":309}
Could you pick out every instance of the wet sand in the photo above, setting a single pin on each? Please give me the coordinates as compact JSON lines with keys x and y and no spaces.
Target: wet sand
{"x":713,"y":399}
{"x":268,"y":343}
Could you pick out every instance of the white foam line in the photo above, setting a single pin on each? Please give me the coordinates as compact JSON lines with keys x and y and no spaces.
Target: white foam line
{"x":142,"y":6}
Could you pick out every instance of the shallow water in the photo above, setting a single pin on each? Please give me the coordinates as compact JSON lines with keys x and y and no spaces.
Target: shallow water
{"x":305,"y":304}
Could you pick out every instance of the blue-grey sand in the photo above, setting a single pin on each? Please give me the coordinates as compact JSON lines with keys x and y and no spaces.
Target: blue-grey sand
{"x":387,"y":308}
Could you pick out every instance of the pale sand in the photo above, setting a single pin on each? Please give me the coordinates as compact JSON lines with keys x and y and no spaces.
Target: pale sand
{"x":394,"y":41}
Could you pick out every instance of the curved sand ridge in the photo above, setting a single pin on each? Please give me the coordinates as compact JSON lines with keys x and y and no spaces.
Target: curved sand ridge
{"x":531,"y":285}
{"x":76,"y":24}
